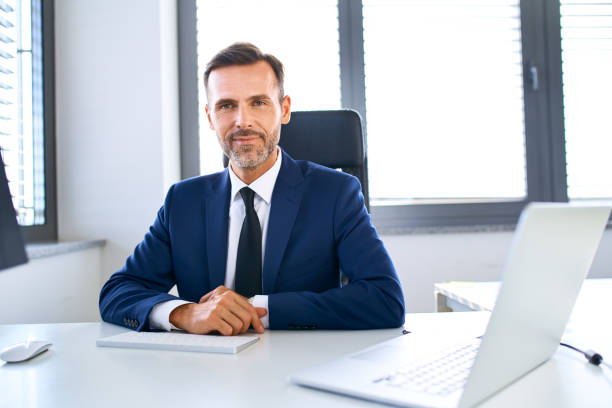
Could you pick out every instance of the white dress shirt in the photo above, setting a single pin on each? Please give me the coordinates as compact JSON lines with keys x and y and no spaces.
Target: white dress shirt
{"x":263,"y":188}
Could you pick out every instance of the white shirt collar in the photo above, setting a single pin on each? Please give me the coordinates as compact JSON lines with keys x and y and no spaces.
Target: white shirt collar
{"x":263,"y":186}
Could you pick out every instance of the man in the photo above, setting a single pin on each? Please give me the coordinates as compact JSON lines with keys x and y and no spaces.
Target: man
{"x":260,"y":244}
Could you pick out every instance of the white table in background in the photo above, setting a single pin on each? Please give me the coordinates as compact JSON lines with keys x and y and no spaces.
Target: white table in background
{"x":460,"y":296}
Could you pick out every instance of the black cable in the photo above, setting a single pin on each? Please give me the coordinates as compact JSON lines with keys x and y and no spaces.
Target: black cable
{"x":592,"y":356}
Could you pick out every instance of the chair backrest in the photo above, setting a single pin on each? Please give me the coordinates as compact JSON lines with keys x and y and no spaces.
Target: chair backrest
{"x":332,"y":138}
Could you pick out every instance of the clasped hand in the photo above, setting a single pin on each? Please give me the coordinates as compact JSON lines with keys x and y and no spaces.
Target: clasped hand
{"x":221,"y":310}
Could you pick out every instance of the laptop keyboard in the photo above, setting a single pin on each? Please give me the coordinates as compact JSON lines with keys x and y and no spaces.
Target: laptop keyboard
{"x":441,"y":375}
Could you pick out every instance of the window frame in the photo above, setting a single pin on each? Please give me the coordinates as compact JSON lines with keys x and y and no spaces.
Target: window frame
{"x":543,"y":110}
{"x":188,"y":88}
{"x":48,"y":230}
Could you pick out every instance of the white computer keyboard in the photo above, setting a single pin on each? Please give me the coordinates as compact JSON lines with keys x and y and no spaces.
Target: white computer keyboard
{"x":178,"y":341}
{"x":439,"y":374}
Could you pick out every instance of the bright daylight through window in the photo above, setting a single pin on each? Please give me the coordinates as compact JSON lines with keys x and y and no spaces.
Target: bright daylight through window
{"x":20,"y":123}
{"x":444,"y":102}
{"x":472,"y":108}
{"x":586,"y":41}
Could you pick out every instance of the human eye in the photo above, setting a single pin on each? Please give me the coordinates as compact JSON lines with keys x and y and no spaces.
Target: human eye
{"x":224,"y":106}
{"x":260,"y":102}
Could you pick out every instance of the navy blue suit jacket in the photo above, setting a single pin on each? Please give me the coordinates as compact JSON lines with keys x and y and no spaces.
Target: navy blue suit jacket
{"x":318,"y":226}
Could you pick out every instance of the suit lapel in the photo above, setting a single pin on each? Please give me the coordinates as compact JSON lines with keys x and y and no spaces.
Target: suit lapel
{"x":217,"y":214}
{"x":285,"y":204}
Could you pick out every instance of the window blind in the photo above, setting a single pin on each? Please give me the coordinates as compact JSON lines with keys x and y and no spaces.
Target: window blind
{"x":11,"y":141}
{"x":586,"y":43}
{"x":444,"y":100}
{"x":21,"y":127}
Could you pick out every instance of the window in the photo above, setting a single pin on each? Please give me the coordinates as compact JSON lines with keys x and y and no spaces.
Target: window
{"x":445,"y":103}
{"x":472,"y":108}
{"x":22,"y":127}
{"x":586,"y":41}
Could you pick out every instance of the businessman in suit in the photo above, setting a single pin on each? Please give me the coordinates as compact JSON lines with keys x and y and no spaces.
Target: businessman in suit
{"x":260,"y":244}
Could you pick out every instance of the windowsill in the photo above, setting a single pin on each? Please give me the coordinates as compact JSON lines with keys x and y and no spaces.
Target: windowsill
{"x":43,"y":250}
{"x":459,"y":229}
{"x":450,"y":219}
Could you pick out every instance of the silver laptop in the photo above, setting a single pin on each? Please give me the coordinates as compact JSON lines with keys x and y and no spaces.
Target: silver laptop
{"x":552,"y":251}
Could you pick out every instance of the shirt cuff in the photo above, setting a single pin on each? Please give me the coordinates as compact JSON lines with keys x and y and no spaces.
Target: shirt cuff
{"x":262,"y":301}
{"x":159,"y":318}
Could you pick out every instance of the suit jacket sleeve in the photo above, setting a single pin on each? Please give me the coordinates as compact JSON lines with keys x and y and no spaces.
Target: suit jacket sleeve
{"x":130,"y":294}
{"x":372,"y":299}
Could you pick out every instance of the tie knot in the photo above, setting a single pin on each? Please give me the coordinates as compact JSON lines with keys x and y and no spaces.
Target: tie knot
{"x":248,"y":196}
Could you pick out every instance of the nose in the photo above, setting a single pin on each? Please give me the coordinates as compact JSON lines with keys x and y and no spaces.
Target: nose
{"x":243,"y":118}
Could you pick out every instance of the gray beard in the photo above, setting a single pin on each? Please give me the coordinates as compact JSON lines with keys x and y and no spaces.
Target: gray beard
{"x":239,"y":157}
{"x":246,"y":162}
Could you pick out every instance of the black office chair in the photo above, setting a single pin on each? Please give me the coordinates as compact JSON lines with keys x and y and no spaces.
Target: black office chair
{"x":333,"y":139}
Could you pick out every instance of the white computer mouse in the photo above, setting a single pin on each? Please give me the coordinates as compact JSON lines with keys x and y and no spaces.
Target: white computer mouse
{"x":24,"y":351}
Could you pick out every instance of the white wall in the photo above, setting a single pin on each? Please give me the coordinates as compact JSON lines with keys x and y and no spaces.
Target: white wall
{"x":117,"y":119}
{"x":424,"y":259}
{"x":117,"y":135}
{"x":55,"y":289}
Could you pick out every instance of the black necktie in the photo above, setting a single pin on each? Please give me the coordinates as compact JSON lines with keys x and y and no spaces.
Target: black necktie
{"x":248,"y":261}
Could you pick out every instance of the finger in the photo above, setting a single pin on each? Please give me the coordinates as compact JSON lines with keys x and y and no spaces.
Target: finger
{"x":231,"y":296}
{"x":219,"y":290}
{"x":257,"y":324}
{"x":205,"y":297}
{"x":257,"y":313}
{"x":243,"y":314}
{"x":234,"y":321}
{"x":222,"y":327}
{"x":239,"y":307}
{"x":244,"y":317}
{"x":253,"y":313}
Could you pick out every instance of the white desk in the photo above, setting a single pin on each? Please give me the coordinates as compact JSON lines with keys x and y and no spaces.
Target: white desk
{"x":595,"y":295}
{"x":589,"y":324}
{"x":76,"y":373}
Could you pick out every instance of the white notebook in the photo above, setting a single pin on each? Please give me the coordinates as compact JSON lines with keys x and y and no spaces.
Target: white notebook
{"x":178,"y":341}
